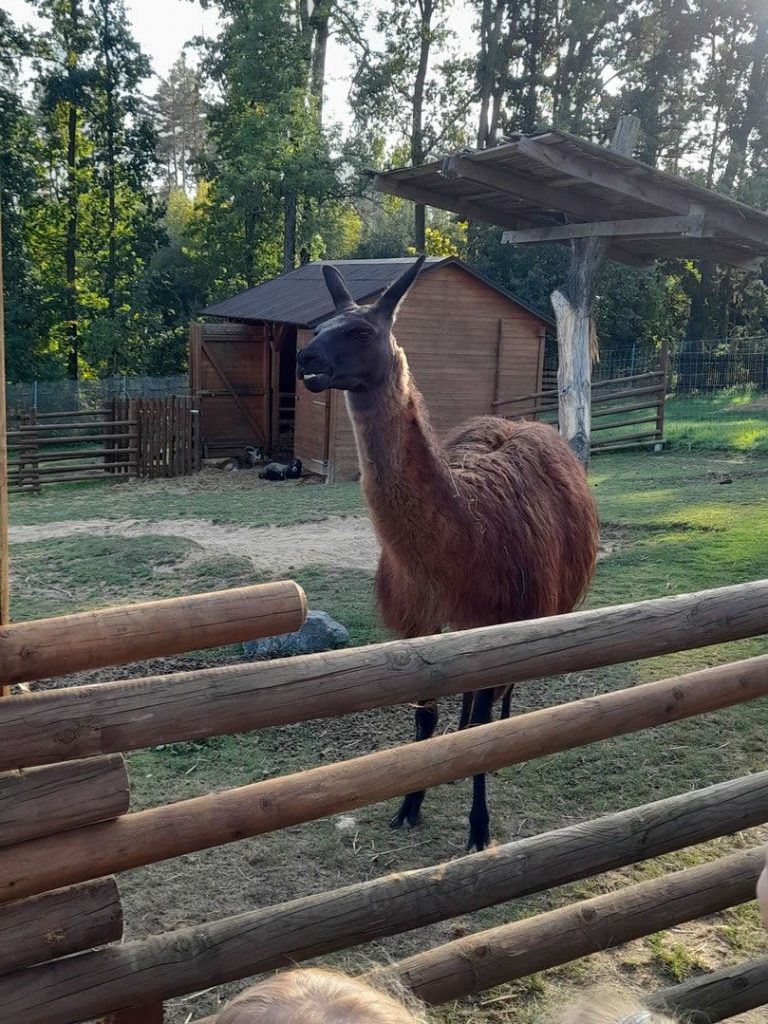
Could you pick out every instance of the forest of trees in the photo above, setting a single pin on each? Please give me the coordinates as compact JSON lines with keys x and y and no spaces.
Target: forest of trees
{"x":124,"y":215}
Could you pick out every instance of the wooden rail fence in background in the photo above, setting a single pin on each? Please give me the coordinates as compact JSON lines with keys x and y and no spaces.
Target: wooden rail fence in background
{"x":635,"y":402}
{"x":144,"y":437}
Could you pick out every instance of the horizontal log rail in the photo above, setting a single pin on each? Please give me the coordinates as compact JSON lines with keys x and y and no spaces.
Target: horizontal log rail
{"x":629,"y":393}
{"x":717,"y":996}
{"x":195,"y":957}
{"x":88,"y":438}
{"x":622,"y":409}
{"x":113,"y":636}
{"x":43,"y":801}
{"x":93,"y":467}
{"x":59,"y":923}
{"x":37,"y":429}
{"x":624,"y":423}
{"x":596,"y":384}
{"x":512,"y":951}
{"x":81,"y":453}
{"x":214,"y":819}
{"x":56,"y":725}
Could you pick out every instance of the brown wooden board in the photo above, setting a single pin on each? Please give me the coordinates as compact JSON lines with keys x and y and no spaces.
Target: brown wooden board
{"x":231,"y":378}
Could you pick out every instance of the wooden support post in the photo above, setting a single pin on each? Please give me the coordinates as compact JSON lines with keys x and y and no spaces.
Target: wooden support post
{"x":5,"y":612}
{"x":664,"y":385}
{"x":573,"y":305}
{"x":114,"y":636}
{"x":237,"y":698}
{"x":224,"y":817}
{"x":512,"y":951}
{"x":59,"y":923}
{"x":187,"y":959}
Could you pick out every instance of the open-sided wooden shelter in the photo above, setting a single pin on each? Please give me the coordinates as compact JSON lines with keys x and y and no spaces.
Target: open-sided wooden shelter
{"x":468,"y":343}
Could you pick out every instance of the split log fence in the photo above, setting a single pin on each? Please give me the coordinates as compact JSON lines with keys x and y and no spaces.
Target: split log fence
{"x":144,"y":437}
{"x":63,"y":750}
{"x":627,"y":412}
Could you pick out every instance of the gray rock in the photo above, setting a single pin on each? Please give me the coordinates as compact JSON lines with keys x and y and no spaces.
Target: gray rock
{"x":319,"y":633}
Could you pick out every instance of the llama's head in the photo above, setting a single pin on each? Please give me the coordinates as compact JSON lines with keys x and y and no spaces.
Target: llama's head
{"x":353,"y":350}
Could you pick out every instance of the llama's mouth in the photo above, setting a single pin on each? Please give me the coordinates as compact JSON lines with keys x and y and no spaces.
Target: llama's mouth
{"x":315,"y":381}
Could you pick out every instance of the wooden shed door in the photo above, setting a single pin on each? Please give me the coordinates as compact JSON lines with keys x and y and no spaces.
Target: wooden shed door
{"x":229,"y":370}
{"x":311,"y":438}
{"x":520,"y":361}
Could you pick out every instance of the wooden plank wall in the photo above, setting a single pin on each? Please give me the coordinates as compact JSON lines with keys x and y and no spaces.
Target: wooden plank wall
{"x":312,"y":422}
{"x":464,"y":342}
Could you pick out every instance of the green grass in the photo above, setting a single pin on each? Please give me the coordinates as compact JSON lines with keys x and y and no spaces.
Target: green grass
{"x":735,"y":420}
{"x":678,"y":529}
{"x":210,"y":496}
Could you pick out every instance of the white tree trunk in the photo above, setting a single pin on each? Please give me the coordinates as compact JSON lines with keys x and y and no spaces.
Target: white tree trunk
{"x":574,"y":352}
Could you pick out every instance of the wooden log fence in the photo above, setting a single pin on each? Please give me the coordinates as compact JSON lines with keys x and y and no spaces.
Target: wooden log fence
{"x":146,"y":437}
{"x":231,"y":699}
{"x":717,"y":996}
{"x":131,"y":980}
{"x":59,"y":923}
{"x":161,"y":833}
{"x":191,"y":958}
{"x":51,"y":799}
{"x":114,"y":636}
{"x":511,"y":951}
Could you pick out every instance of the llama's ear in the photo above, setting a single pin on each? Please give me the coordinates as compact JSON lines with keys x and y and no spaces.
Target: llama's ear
{"x":387,"y":305}
{"x":342,"y":300}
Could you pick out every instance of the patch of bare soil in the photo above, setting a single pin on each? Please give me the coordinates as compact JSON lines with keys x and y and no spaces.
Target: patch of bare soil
{"x":342,"y":542}
{"x":348,"y":543}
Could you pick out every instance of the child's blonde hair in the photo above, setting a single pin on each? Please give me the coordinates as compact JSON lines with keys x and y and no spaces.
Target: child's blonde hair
{"x":602,"y":1007}
{"x":317,"y":996}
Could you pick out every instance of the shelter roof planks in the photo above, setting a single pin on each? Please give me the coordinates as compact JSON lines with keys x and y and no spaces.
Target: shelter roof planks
{"x":553,"y":186}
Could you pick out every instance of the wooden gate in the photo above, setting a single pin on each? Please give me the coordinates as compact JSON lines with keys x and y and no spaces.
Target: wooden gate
{"x":312,"y":425}
{"x":229,"y":373}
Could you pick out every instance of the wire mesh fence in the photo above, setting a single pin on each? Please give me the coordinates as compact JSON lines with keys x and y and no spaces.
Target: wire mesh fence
{"x":80,"y":395}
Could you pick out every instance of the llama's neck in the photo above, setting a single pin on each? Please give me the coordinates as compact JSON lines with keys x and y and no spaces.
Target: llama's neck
{"x":406,"y":479}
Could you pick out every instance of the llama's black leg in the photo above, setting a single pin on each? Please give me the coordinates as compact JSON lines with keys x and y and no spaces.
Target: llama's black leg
{"x":410,"y":808}
{"x":467,"y":699}
{"x":479,"y":820}
{"x":505,"y":702}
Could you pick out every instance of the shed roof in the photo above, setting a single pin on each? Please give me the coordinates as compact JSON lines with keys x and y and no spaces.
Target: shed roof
{"x":552,"y":178}
{"x":300,"y":297}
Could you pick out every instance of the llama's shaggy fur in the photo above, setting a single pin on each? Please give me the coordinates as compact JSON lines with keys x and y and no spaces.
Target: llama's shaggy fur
{"x":494,"y":524}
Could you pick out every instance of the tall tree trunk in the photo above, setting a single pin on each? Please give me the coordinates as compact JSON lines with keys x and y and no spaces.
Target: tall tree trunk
{"x":110,"y":276}
{"x":490,"y":33}
{"x":573,"y":306}
{"x":740,"y":129}
{"x":426,"y":9}
{"x":289,"y":232}
{"x":321,"y":17}
{"x":71,"y":245}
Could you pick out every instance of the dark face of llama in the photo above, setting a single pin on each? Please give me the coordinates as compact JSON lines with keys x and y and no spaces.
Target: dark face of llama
{"x":353,"y":350}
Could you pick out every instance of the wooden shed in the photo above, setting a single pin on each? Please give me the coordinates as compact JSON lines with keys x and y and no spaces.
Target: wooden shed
{"x":468,"y":343}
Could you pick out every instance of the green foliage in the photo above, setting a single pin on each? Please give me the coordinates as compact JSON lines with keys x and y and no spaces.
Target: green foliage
{"x":123,"y":218}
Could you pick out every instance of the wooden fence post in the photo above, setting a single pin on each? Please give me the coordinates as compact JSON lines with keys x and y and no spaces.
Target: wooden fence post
{"x":664,"y":383}
{"x":4,"y":587}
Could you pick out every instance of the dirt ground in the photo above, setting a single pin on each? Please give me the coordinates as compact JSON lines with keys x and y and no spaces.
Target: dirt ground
{"x":344,"y":542}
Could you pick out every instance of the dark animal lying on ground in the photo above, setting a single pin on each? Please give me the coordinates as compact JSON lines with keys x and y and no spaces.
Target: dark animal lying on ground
{"x":281,"y":470}
{"x":250,"y":458}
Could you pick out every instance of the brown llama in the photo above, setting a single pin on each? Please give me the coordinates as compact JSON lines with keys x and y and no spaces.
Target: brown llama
{"x":494,"y":524}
